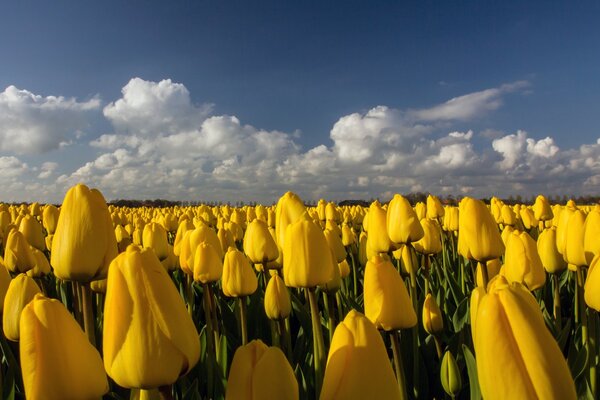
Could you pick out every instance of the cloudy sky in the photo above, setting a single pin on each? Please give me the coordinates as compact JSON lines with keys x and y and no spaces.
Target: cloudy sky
{"x":240,"y":100}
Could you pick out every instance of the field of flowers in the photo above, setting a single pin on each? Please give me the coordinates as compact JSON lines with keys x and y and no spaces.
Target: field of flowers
{"x":390,"y":301}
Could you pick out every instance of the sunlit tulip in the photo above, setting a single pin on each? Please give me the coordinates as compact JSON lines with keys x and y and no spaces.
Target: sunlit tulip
{"x":184,"y":226}
{"x":154,"y":237}
{"x":18,"y":256}
{"x":420,"y":210}
{"x":386,"y":299}
{"x":277,"y":299}
{"x":225,"y":238}
{"x":512,"y":337}
{"x":348,"y":235}
{"x":4,"y":282}
{"x":358,"y":366}
{"x":433,"y":322}
{"x":259,"y":245}
{"x":478,"y":236}
{"x":552,"y":260}
{"x":508,"y":215}
{"x":528,"y":218}
{"x":190,"y":242}
{"x":541,"y":209}
{"x":591,"y":237}
{"x":84,"y":243}
{"x":33,"y":232}
{"x":592,"y":285}
{"x":307,"y":260}
{"x":574,"y":253}
{"x":239,"y":278}
{"x":522,"y":262}
{"x":21,"y":290}
{"x":435,"y":209}
{"x":57,"y":360}
{"x":289,"y":209}
{"x":335,"y":244}
{"x":431,"y":242}
{"x":149,"y":338}
{"x":344,"y":268}
{"x":208,"y":266}
{"x":562,"y":227}
{"x":260,"y":372}
{"x":451,"y":219}
{"x":377,"y":234}
{"x":402,"y":222}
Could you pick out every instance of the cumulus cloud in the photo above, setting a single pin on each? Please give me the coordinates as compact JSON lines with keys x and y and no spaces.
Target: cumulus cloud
{"x":31,"y":123}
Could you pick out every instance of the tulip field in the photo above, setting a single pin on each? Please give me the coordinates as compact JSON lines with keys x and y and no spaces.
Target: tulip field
{"x":287,"y":301}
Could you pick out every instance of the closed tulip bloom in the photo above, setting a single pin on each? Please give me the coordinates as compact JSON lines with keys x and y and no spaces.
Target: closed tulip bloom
{"x":435,"y":209}
{"x":358,"y":366}
{"x":154,"y":237}
{"x":433,"y":322}
{"x":476,"y":296}
{"x":552,"y":260}
{"x":348,"y":235}
{"x":184,"y":226}
{"x":377,"y":234}
{"x":259,"y":245}
{"x":541,"y":209}
{"x":289,"y":209}
{"x":41,"y":266}
{"x":149,"y":338}
{"x":5,"y":222}
{"x":84,"y":243}
{"x":431,"y":242}
{"x":335,"y":244}
{"x":18,"y":256}
{"x":50,"y":218}
{"x":225,"y":238}
{"x":512,"y":337}
{"x":191,"y":240}
{"x":261,"y":372}
{"x":344,"y":268}
{"x":33,"y":232}
{"x":592,"y":285}
{"x":574,"y":252}
{"x":277,"y":299}
{"x":450,"y":375}
{"x":522,"y":262}
{"x":362,"y":249}
{"x":508,"y":215}
{"x":386,"y":299}
{"x":207,"y":264}
{"x":402,"y":221}
{"x":21,"y":290}
{"x":478,"y":236}
{"x":451,"y":219}
{"x":420,"y":210}
{"x":528,"y":218}
{"x":4,"y":282}
{"x":239,"y":278}
{"x":307,"y":260}
{"x":506,"y":234}
{"x":591,"y":243}
{"x":561,"y":229}
{"x":57,"y":360}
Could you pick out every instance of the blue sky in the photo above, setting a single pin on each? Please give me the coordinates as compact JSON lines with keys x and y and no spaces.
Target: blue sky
{"x":245,"y":100}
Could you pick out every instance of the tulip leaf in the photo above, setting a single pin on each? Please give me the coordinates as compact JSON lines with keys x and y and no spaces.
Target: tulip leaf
{"x":577,"y":361}
{"x":192,"y":393}
{"x":461,"y":315}
{"x":222,"y":355}
{"x":475,"y":392}
{"x":454,"y":287}
{"x":564,"y":335}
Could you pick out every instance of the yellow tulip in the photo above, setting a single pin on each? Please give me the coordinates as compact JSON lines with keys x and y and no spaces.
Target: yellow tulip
{"x":18,"y":256}
{"x":377,"y":234}
{"x":50,"y":218}
{"x":561,"y":228}
{"x":402,"y":222}
{"x":552,"y":260}
{"x":574,"y":253}
{"x":190,"y":242}
{"x":433,"y":322}
{"x":451,"y":219}
{"x":511,"y":337}
{"x":591,"y":243}
{"x":277,"y":299}
{"x":154,"y":236}
{"x":344,"y":268}
{"x":184,"y":226}
{"x":450,"y":375}
{"x":149,"y":338}
{"x":435,"y":209}
{"x":493,"y":268}
{"x":522,"y":262}
{"x":335,"y":244}
{"x":239,"y":278}
{"x":386,"y":299}
{"x":261,"y":372}
{"x":528,"y":218}
{"x":289,"y":209}
{"x":478,"y":236}
{"x":307,"y":260}
{"x":420,"y":210}
{"x":259,"y":245}
{"x":348,"y":235}
{"x":541,"y":209}
{"x":57,"y":360}
{"x":431,"y":242}
{"x":208,"y":266}
{"x":21,"y":290}
{"x":84,"y":243}
{"x":41,"y":266}
{"x":358,"y":366}
{"x":33,"y":232}
{"x":508,"y":215}
{"x":592,"y":285}
{"x":4,"y":283}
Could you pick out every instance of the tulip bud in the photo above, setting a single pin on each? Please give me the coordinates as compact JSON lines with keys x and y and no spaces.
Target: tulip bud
{"x":41,"y":266}
{"x":435,"y":209}
{"x":512,"y":337}
{"x":21,"y":290}
{"x":574,"y":253}
{"x":451,"y":219}
{"x":478,"y":236}
{"x":552,"y":260}
{"x":377,"y":234}
{"x":146,"y":324}
{"x":591,"y":244}
{"x":289,"y":209}
{"x":561,"y":229}
{"x":4,"y":283}
{"x":508,"y":215}
{"x":541,"y":209}
{"x":50,"y":218}
{"x":344,"y":268}
{"x":154,"y":237}
{"x":348,"y":235}
{"x":358,"y":366}
{"x":33,"y":232}
{"x":307,"y":260}
{"x":259,"y":245}
{"x":402,"y":222}
{"x":207,"y":264}
{"x":335,"y":244}
{"x":431,"y":242}
{"x":450,"y":375}
{"x":433,"y":322}
{"x":528,"y":218}
{"x":18,"y":256}
{"x":191,"y":240}
{"x":84,"y":243}
{"x":420,"y":210}
{"x":184,"y":226}
{"x":592,"y":285}
{"x":260,"y":372}
{"x":277,"y":299}
{"x":239,"y":278}
{"x":386,"y":299}
{"x":522,"y":262}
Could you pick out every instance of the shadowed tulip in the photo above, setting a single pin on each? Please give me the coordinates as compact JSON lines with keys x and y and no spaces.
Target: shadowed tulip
{"x":239,"y":278}
{"x":18,"y":256}
{"x":21,"y":290}
{"x":433,"y":322}
{"x":478,"y":235}
{"x":552,"y":260}
{"x":259,"y":245}
{"x":208,"y":266}
{"x":277,"y":299}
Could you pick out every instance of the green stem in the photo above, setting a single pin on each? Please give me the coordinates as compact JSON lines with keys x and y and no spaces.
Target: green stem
{"x":243,"y":322}
{"x":89,"y":322}
{"x":354,"y":274}
{"x":427,"y":274}
{"x":485,"y":274}
{"x":318,"y":346}
{"x":557,"y":313}
{"x":581,"y":306}
{"x":76,"y":303}
{"x":438,"y":346}
{"x":286,"y":340}
{"x":209,"y":339}
{"x":415,"y":329}
{"x":398,"y":365}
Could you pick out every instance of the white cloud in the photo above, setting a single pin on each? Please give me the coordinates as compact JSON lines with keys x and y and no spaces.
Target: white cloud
{"x":33,"y":124}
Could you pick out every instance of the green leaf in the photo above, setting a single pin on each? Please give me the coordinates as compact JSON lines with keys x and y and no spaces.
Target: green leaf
{"x":461,"y":315}
{"x":475,"y":391}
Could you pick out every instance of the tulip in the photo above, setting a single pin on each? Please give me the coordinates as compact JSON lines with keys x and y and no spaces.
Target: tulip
{"x":402,"y":222}
{"x":591,"y":243}
{"x":348,"y":235}
{"x":306,"y":255}
{"x":574,"y":253}
{"x":431,"y":242}
{"x":386,"y":299}
{"x":552,"y":260}
{"x":33,"y":232}
{"x":84,"y":243}
{"x":528,"y":218}
{"x":5,"y":222}
{"x":41,"y":266}
{"x":478,"y":236}
{"x":259,"y":245}
{"x":357,"y":365}
{"x":207,"y":264}
{"x":277,"y":299}
{"x":435,"y":209}
{"x":451,"y":219}
{"x":149,"y":338}
{"x":154,"y":236}
{"x":508,"y":215}
{"x":225,"y":238}
{"x":493,"y":268}
{"x":57,"y":360}
{"x":21,"y":290}
{"x":289,"y":209}
{"x":432,"y":316}
{"x":377,"y":234}
{"x":335,"y":244}
{"x":450,"y":375}
{"x":561,"y":229}
{"x":344,"y":268}
{"x":511,"y":336}
{"x":50,"y":218}
{"x":522,"y":262}
{"x":18,"y":256}
{"x":541,"y":209}
{"x":184,"y":226}
{"x":191,"y":240}
{"x":261,"y":372}
{"x":592,"y":285}
{"x":420,"y":210}
{"x":4,"y":283}
{"x":238,"y":277}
